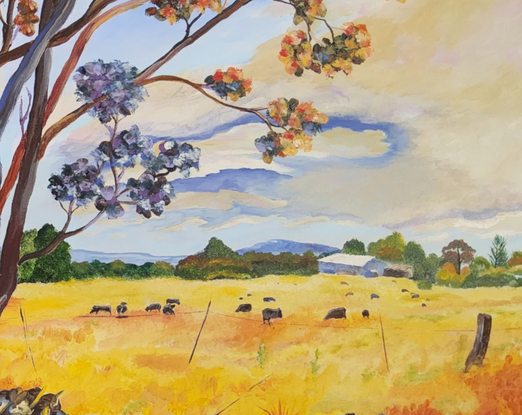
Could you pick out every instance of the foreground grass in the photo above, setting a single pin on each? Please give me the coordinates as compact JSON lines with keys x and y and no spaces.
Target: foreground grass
{"x":139,"y":365}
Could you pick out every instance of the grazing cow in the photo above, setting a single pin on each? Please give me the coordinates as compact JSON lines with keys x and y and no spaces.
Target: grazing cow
{"x":240,"y":298}
{"x":344,"y":283}
{"x":366,"y":314}
{"x":244,"y":308}
{"x":271,"y":313}
{"x":349,"y":293}
{"x":415,"y":296}
{"x":404,"y":290}
{"x":336,"y":313}
{"x":249,"y":295}
{"x":424,"y":305}
{"x":173,"y":301}
{"x":122,"y":308}
{"x":153,"y":306}
{"x":168,"y":309}
{"x":374,"y":296}
{"x":97,"y":308}
{"x":268,"y":299}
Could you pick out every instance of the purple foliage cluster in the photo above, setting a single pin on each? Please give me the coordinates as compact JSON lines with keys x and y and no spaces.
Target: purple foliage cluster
{"x":172,"y":157}
{"x":115,"y":80}
{"x":77,"y":181}
{"x":128,"y":148}
{"x":151,"y":194}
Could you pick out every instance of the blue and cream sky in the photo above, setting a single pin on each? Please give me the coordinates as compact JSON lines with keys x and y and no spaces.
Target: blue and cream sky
{"x":424,"y":137}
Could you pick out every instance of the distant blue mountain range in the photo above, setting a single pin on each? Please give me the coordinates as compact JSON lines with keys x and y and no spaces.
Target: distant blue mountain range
{"x":136,"y":258}
{"x":276,"y":246}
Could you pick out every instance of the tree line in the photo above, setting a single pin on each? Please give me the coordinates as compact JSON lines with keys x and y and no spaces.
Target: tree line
{"x":456,"y":266}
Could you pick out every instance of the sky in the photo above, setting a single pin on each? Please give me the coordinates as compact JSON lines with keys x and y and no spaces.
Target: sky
{"x":424,"y":137}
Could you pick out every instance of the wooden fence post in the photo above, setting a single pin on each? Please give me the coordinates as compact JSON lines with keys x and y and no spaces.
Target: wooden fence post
{"x":480,"y":347}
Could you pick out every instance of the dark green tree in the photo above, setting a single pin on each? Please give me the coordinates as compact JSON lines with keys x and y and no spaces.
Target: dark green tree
{"x":25,"y":271}
{"x":431,"y":266}
{"x":415,"y":256}
{"x":217,"y":249}
{"x":57,"y":265}
{"x":499,"y":256}
{"x":354,"y":247}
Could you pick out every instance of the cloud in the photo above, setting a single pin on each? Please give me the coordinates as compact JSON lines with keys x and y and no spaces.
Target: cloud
{"x":183,"y":224}
{"x":242,"y":220}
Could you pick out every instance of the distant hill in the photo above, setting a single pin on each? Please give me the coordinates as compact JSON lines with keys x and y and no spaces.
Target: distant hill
{"x":276,"y":246}
{"x":81,"y":255}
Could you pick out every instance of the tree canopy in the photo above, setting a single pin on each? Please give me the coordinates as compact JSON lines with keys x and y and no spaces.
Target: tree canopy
{"x":354,"y":247}
{"x":458,"y":252}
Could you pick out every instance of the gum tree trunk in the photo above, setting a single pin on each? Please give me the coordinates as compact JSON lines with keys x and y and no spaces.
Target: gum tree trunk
{"x":29,"y":166}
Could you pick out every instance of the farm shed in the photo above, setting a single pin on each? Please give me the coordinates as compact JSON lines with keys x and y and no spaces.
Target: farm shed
{"x":364,"y":265}
{"x":398,"y":271}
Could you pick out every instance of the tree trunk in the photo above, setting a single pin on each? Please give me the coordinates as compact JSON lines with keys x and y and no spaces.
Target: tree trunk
{"x":28,"y":170}
{"x":480,"y":347}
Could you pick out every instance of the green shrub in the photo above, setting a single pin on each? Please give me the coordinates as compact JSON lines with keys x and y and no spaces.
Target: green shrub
{"x":424,"y":285}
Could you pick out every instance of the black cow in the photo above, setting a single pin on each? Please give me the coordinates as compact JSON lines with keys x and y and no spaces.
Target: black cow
{"x":271,"y":313}
{"x":404,"y":290}
{"x":98,"y":308}
{"x":268,"y":299}
{"x":374,"y":296}
{"x":122,"y":308}
{"x":424,"y":305}
{"x":244,"y":308}
{"x":249,"y":295}
{"x":336,"y":313}
{"x":415,"y":296}
{"x":173,"y":301}
{"x":168,"y":309}
{"x":153,"y":306}
{"x":366,"y":314}
{"x":240,"y":298}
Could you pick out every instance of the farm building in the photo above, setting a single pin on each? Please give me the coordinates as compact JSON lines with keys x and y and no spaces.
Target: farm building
{"x":365,"y":265}
{"x":398,"y":271}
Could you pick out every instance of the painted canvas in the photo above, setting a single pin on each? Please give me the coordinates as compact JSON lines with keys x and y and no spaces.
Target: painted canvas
{"x":249,"y":207}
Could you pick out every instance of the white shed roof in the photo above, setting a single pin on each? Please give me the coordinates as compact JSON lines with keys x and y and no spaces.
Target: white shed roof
{"x":345,"y":259}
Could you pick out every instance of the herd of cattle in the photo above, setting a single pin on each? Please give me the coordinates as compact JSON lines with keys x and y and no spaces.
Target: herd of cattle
{"x":122,"y":308}
{"x":267,"y":313}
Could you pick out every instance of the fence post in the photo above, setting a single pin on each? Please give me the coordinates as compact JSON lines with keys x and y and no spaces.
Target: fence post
{"x":480,"y":347}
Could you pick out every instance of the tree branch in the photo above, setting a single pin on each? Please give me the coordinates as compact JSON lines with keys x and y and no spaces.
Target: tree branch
{"x":188,"y":40}
{"x":8,"y":28}
{"x":62,"y":36}
{"x":198,"y":87}
{"x":62,"y":236}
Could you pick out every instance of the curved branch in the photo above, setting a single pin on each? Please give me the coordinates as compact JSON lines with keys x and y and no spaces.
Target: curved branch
{"x":198,"y":87}
{"x":188,"y":40}
{"x":12,"y":174}
{"x":62,"y":36}
{"x":60,"y":125}
{"x":62,"y":236}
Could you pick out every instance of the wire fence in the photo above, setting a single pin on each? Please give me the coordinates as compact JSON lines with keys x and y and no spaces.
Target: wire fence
{"x":278,"y":322}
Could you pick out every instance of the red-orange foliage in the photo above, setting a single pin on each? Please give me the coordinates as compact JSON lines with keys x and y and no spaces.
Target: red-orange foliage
{"x":499,"y":392}
{"x":413,"y":409}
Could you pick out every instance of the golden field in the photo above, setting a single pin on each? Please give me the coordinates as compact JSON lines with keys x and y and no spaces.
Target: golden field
{"x":139,"y":365}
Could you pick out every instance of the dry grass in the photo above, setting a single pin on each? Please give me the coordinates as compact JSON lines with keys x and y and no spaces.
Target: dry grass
{"x":139,"y":365}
